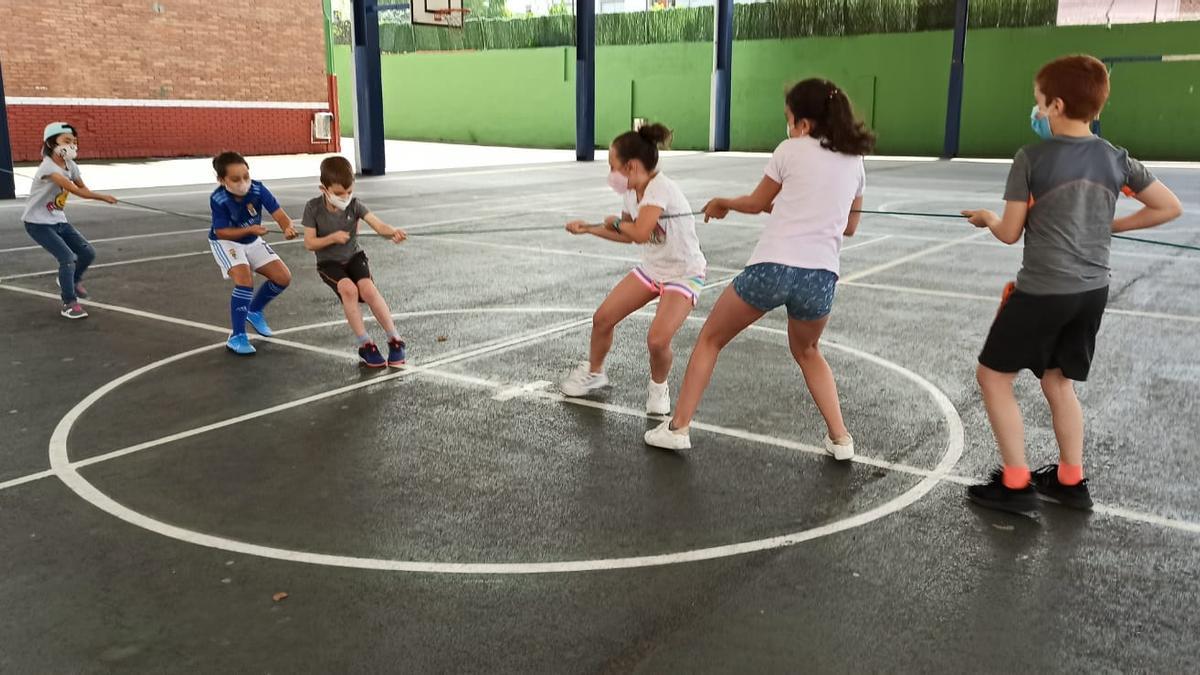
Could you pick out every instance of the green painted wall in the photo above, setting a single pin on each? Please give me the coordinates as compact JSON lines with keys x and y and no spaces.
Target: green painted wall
{"x":1154,"y":109}
{"x":897,"y":81}
{"x":527,"y":97}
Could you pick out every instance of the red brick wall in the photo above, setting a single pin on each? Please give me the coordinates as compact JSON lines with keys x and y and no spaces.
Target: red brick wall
{"x":110,"y":132}
{"x":191,"y":50}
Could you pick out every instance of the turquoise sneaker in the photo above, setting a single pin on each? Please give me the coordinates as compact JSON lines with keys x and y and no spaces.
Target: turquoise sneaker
{"x":239,"y":344}
{"x":260,"y":324}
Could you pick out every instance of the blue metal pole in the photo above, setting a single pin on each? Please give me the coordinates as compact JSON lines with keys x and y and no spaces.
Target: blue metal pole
{"x":722,"y":86}
{"x":8,"y":185}
{"x":585,"y":80}
{"x":955,"y":97}
{"x":368,"y":88}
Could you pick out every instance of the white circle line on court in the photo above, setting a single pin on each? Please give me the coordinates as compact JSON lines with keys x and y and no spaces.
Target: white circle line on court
{"x":61,"y":465}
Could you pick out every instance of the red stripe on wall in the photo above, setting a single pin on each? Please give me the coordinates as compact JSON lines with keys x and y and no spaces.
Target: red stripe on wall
{"x":117,"y":132}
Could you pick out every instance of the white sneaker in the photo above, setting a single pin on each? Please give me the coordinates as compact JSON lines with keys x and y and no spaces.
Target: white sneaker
{"x":582,"y":381}
{"x":663,"y":437}
{"x":658,"y":398}
{"x":841,"y":451}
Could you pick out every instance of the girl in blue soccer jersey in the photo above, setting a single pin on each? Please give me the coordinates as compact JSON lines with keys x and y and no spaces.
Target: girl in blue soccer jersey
{"x":237,"y":244}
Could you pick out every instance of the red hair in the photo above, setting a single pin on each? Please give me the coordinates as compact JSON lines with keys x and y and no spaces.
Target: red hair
{"x":1080,"y":81}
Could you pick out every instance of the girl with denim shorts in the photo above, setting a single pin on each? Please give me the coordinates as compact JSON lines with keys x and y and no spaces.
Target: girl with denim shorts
{"x":812,"y":189}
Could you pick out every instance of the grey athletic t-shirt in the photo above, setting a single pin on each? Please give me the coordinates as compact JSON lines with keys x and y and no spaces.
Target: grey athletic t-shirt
{"x":1073,"y":185}
{"x":327,"y":222}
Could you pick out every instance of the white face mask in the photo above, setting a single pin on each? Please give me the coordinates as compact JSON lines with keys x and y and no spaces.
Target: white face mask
{"x":239,"y":189}
{"x":787,"y":133}
{"x":339,"y":203}
{"x":618,"y":181}
{"x":67,"y":151}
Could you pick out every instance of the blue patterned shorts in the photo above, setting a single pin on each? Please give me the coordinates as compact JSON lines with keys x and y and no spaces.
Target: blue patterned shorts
{"x":807,"y":293}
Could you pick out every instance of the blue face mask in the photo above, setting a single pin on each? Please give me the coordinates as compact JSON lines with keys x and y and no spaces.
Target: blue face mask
{"x":1039,"y":124}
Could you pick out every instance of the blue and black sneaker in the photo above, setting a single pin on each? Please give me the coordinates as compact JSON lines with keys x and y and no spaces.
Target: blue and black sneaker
{"x":370,"y":356}
{"x":395,"y":353}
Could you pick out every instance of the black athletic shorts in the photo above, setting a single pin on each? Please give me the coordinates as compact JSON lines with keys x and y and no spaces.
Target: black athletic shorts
{"x":355,"y":269}
{"x":1044,"y":332}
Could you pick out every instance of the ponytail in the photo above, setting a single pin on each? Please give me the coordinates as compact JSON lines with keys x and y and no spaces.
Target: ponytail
{"x":643,"y":144}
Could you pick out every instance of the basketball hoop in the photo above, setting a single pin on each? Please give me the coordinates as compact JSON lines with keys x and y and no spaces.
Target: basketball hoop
{"x":450,"y":18}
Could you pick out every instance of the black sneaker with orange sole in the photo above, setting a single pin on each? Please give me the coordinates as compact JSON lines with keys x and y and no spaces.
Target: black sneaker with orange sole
{"x":995,"y":495}
{"x":1045,"y":481}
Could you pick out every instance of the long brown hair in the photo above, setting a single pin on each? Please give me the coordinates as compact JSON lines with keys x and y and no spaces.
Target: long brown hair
{"x":832,"y":115}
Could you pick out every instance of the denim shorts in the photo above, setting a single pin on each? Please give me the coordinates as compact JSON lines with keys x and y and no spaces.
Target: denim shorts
{"x":808,"y":294}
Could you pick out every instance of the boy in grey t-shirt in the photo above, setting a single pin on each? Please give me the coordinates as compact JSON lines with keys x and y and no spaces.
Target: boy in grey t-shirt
{"x":331,"y":231}
{"x":1061,"y":195}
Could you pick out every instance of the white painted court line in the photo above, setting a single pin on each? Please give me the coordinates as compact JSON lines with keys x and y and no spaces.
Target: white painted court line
{"x":536,"y":393}
{"x":492,"y":348}
{"x":263,"y":412}
{"x":564,"y":252}
{"x":26,"y":479}
{"x":521,"y":390}
{"x":870,"y":239}
{"x":537,"y":249}
{"x":137,"y":261}
{"x":105,"y":240}
{"x":1148,"y":518}
{"x":863,"y":240}
{"x":66,"y":471}
{"x":910,"y":257}
{"x":439,"y":312}
{"x":535,"y":390}
{"x":491,"y":210}
{"x":119,"y":263}
{"x":299,"y":240}
{"x":119,"y":309}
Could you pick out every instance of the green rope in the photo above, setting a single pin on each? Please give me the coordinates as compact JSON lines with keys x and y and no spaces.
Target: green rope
{"x":1185,"y":247}
{"x":1125,"y":237}
{"x":918,"y":214}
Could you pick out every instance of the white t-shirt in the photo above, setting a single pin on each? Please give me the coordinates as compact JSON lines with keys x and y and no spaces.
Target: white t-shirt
{"x":673,"y":251}
{"x":806,"y":225}
{"x":47,"y":200}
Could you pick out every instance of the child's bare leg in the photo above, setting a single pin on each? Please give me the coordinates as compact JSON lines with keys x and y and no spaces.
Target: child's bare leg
{"x":628,"y":296}
{"x":369,"y":292}
{"x":803,"y":339}
{"x":730,"y":316}
{"x":277,"y":272}
{"x":1066,"y":414}
{"x":241,"y":275}
{"x":349,"y":295}
{"x":673,"y":310}
{"x":1004,"y":414}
